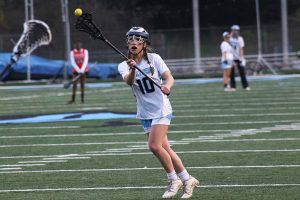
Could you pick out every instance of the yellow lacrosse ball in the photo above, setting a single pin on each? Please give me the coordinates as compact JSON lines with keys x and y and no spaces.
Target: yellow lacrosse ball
{"x":78,"y":12}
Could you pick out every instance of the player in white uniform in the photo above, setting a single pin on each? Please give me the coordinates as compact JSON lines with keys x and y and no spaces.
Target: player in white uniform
{"x":154,"y":108}
{"x":226,"y":61}
{"x":238,"y":44}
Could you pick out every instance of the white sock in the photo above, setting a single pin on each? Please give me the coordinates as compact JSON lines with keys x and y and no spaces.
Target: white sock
{"x":184,"y":175}
{"x":172,"y":176}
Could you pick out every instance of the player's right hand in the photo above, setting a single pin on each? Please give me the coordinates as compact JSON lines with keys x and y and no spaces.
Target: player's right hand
{"x":131,"y":63}
{"x":166,"y":90}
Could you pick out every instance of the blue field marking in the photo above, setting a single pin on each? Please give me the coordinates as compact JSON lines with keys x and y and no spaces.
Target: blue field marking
{"x":67,"y":117}
{"x":99,"y":85}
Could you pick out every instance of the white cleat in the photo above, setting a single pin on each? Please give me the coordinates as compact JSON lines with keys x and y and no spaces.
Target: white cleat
{"x":173,"y":187}
{"x":188,"y":187}
{"x":229,"y":89}
{"x":247,"y":88}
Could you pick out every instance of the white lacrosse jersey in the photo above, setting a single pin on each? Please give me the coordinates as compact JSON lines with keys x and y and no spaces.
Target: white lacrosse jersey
{"x":151,"y":102}
{"x":237,"y":44}
{"x":226,"y":48}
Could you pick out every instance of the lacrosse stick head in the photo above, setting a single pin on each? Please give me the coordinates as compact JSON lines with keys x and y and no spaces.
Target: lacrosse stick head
{"x":86,"y":24}
{"x":36,"y":33}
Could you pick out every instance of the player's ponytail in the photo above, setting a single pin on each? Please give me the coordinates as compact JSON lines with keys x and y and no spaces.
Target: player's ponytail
{"x":145,"y":55}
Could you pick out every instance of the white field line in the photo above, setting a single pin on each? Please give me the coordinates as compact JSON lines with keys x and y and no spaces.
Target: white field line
{"x":72,"y":135}
{"x":133,"y":133}
{"x":29,"y":97}
{"x":145,"y":153}
{"x":238,"y":115}
{"x":239,"y":133}
{"x":234,"y":122}
{"x":196,"y":152}
{"x":144,"y":142}
{"x":22,"y":165}
{"x":186,"y":141}
{"x":223,"y":100}
{"x":43,"y":161}
{"x":226,"y":123}
{"x":58,"y":94}
{"x":69,"y":144}
{"x":176,"y":104}
{"x":129,"y":149}
{"x":149,"y":168}
{"x":67,"y":158}
{"x":139,"y":146}
{"x":10,"y":168}
{"x":237,"y":104}
{"x":116,"y":134}
{"x":93,"y":152}
{"x":39,"y":127}
{"x":144,"y":187}
{"x":237,"y":109}
{"x":207,"y":96}
{"x":207,"y":140}
{"x":117,"y":150}
{"x":136,"y":133}
{"x":92,"y":108}
{"x":182,"y":100}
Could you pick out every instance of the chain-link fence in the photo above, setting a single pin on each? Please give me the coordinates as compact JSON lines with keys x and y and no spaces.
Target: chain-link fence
{"x":170,"y":44}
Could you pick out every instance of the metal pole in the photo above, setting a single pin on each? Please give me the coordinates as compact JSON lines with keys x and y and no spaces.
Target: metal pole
{"x":31,"y":9}
{"x":284,"y":31}
{"x":26,"y":10}
{"x":196,"y":29}
{"x":259,"y":45}
{"x":260,"y":58}
{"x":29,"y":14}
{"x":65,"y":19}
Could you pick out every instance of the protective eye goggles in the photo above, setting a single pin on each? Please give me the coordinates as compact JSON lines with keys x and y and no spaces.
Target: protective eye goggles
{"x":133,"y":38}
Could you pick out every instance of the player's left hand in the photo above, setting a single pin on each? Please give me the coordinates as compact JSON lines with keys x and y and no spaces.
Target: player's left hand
{"x":243,"y":62}
{"x":165,"y":90}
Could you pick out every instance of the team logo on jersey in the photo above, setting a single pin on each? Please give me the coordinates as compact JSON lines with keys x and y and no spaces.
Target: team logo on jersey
{"x":148,"y":71}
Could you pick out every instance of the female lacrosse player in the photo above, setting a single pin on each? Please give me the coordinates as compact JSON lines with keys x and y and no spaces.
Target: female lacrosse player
{"x":79,"y":60}
{"x":154,"y":108}
{"x":238,"y":45}
{"x":227,"y":60}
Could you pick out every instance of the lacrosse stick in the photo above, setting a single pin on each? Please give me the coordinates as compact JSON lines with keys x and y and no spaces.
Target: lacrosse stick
{"x":68,"y":84}
{"x":36,"y":33}
{"x":86,"y":24}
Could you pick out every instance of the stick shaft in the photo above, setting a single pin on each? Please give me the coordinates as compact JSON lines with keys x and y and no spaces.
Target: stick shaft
{"x":67,"y":85}
{"x":6,"y":68}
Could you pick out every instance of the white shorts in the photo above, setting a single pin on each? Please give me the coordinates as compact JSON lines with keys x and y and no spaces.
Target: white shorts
{"x":228,"y":65}
{"x":147,"y":123}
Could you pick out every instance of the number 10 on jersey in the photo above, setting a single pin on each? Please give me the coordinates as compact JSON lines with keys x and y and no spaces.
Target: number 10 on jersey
{"x":145,"y":85}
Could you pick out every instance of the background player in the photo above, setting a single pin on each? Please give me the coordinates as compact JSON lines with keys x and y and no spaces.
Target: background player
{"x":238,"y":44}
{"x":154,"y":108}
{"x":79,"y":60}
{"x":227,"y":61}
